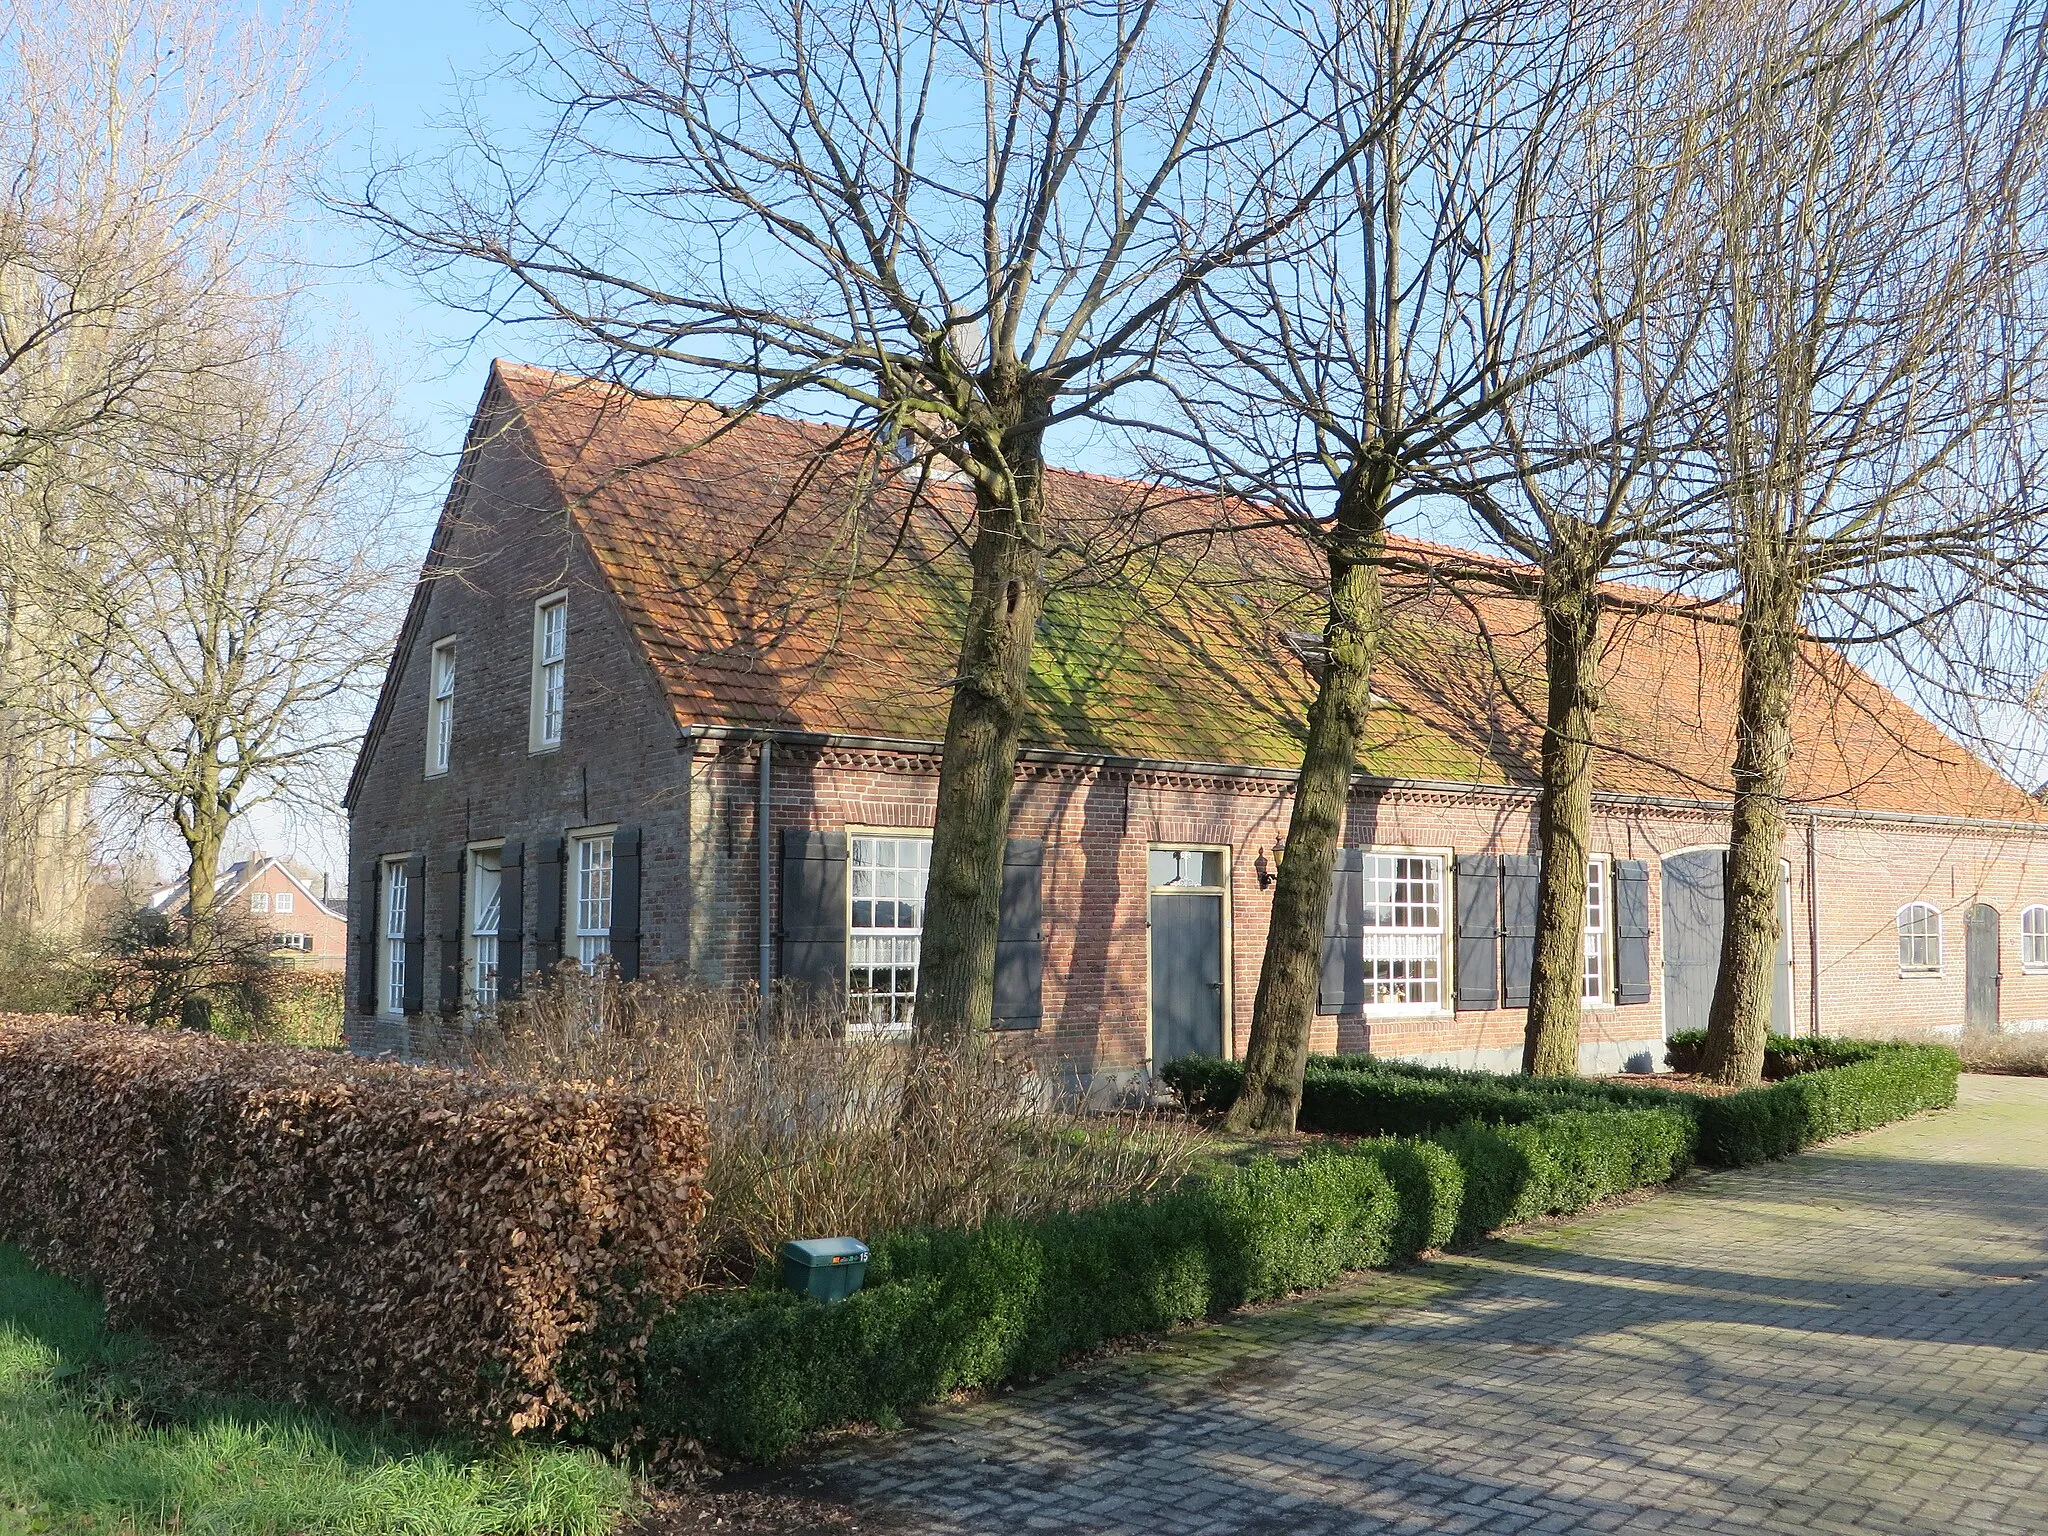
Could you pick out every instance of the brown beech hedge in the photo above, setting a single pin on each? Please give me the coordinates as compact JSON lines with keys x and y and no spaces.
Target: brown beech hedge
{"x":440,"y":1248}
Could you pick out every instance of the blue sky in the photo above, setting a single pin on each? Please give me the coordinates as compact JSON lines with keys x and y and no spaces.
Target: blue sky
{"x":400,"y":68}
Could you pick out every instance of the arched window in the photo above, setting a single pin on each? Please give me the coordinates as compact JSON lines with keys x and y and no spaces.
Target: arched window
{"x":1919,"y":938}
{"x":2034,"y":939}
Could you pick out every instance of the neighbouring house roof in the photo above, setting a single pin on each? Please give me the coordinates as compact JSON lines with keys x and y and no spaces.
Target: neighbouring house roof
{"x":238,"y":877}
{"x":780,"y":577}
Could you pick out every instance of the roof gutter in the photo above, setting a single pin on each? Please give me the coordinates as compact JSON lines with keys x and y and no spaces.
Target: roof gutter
{"x":1113,"y":761}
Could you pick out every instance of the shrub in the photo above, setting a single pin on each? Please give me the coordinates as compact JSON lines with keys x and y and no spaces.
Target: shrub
{"x":749,"y":1373}
{"x":440,"y":1248}
{"x":812,"y":1133}
{"x":1564,"y":1162}
{"x":1357,"y":1095}
{"x":1868,"y":1084}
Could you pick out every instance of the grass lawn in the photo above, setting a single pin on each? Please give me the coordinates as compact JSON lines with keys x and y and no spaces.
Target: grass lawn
{"x":95,"y":1437}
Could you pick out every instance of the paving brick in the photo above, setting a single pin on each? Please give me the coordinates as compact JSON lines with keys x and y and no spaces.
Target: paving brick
{"x":1759,"y":1352}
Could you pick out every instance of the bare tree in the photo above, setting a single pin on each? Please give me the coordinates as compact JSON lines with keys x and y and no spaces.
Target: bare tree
{"x":1872,"y":364}
{"x":144,"y":161}
{"x":1361,"y":363}
{"x":1587,"y":481}
{"x":961,"y":226}
{"x":212,"y":648}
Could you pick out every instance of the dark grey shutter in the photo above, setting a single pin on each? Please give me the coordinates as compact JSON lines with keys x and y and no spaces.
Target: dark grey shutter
{"x":547,"y":905}
{"x":1631,"y":931}
{"x":626,"y":902}
{"x":813,"y":927}
{"x":1342,"y":989}
{"x":451,"y":931}
{"x":415,"y":931}
{"x":1520,"y":876}
{"x":1478,"y":941}
{"x":366,"y":939}
{"x":1020,"y":937}
{"x":511,"y":918}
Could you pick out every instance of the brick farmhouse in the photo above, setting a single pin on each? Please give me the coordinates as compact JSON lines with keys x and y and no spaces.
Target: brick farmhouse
{"x":671,"y":685}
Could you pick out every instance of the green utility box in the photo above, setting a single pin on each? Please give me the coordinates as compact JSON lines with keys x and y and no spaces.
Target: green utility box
{"x":824,"y":1268}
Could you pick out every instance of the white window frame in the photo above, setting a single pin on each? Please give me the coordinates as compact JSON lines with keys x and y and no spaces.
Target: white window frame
{"x":548,"y":707}
{"x":259,"y":901}
{"x":589,"y":898}
{"x":441,"y":707}
{"x":2034,"y":963}
{"x":481,"y":984}
{"x":1596,"y":937}
{"x":282,"y":904}
{"x":1442,"y":981}
{"x":394,"y":894}
{"x":1899,"y":926}
{"x":903,"y":939}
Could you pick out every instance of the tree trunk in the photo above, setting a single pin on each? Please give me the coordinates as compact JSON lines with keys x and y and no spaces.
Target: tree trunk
{"x":1570,"y":603}
{"x":1282,"y":1015}
{"x":1740,"y":1018}
{"x":957,"y":961}
{"x":204,"y":835}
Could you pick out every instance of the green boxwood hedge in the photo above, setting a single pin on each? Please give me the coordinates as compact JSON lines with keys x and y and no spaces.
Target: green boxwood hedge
{"x":749,"y":1373}
{"x":1824,"y":1087}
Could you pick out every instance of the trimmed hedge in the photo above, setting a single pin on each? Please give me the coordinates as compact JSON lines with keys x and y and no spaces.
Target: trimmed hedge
{"x":432,"y":1246}
{"x":750,"y":1373}
{"x":1888,"y":1082}
{"x":1825,"y":1087}
{"x":1362,"y":1096}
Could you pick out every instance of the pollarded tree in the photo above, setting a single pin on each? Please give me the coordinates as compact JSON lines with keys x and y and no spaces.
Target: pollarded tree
{"x":961,"y":224}
{"x":1874,"y":355}
{"x":1584,"y":475}
{"x":1360,"y":364}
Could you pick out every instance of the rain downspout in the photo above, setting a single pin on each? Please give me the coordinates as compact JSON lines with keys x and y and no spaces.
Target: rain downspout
{"x":764,"y":878}
{"x":1813,"y":924}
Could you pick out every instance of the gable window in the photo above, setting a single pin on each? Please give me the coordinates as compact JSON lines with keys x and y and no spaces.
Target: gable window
{"x":550,"y":670}
{"x":441,"y":710}
{"x":259,"y":901}
{"x":885,"y":928}
{"x":1593,"y":967}
{"x":486,"y":880}
{"x":592,"y":873}
{"x":1404,"y":930}
{"x":1919,"y":940}
{"x":391,"y":950}
{"x":281,"y":903}
{"x":2034,"y":939}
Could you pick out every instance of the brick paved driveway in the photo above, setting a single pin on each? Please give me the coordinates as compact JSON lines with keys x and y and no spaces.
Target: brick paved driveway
{"x":1854,"y":1340}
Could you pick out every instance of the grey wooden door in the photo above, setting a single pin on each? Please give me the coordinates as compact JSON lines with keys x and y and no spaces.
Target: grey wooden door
{"x":1187,"y":975}
{"x":1693,"y":919}
{"x":1980,"y":968}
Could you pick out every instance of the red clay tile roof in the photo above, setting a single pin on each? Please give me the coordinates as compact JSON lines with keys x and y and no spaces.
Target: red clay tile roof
{"x":779,"y":577}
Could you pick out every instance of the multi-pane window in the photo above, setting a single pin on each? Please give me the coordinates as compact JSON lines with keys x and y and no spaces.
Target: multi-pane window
{"x":1919,"y":938}
{"x":1593,"y":968}
{"x":259,"y":901}
{"x":441,"y":709}
{"x":1404,"y":930}
{"x":550,"y":670}
{"x":485,"y":889}
{"x":281,"y":903}
{"x":397,"y":894}
{"x":593,"y":876}
{"x":1185,"y":867}
{"x":2034,"y":939}
{"x":887,"y":877}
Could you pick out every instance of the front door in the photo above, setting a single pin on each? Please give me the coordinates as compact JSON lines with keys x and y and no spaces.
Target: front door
{"x":1187,"y":953}
{"x":1980,"y":969}
{"x":1694,"y":900}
